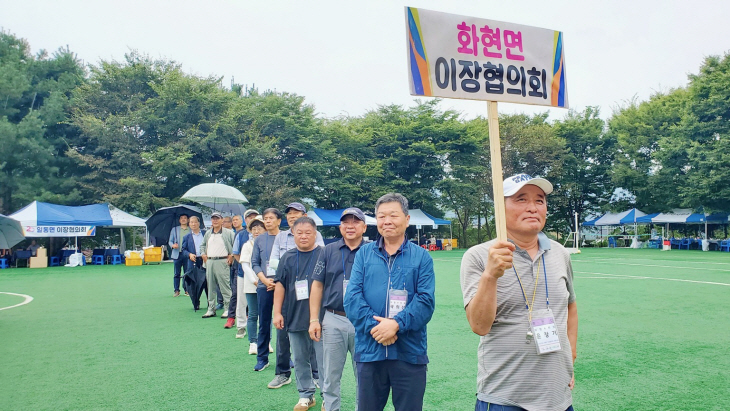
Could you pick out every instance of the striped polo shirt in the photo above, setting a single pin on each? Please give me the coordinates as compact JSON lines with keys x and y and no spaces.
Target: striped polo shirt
{"x":510,"y":371}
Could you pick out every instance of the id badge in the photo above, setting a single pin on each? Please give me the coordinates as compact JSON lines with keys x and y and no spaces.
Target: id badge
{"x":271,"y":268}
{"x":302,"y":287}
{"x":397,"y":300}
{"x":545,"y":332}
{"x":344,"y":286}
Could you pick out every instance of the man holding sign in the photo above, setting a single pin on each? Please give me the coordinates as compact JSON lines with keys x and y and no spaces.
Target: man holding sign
{"x":519,"y":297}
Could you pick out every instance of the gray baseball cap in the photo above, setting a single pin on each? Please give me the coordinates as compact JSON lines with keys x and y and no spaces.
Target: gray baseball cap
{"x":249,"y":212}
{"x":353,"y":211}
{"x":295,"y":206}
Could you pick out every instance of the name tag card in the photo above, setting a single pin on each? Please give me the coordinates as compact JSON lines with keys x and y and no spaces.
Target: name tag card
{"x":302,"y":287}
{"x":271,"y":269}
{"x":545,"y":332}
{"x":344,"y":286}
{"x":397,"y":302}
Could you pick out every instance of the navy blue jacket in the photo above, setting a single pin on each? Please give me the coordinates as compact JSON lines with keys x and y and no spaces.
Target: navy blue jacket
{"x":188,"y":245}
{"x":367,"y":296}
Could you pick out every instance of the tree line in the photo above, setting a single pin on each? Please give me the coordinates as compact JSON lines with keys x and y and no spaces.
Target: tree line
{"x":139,"y":132}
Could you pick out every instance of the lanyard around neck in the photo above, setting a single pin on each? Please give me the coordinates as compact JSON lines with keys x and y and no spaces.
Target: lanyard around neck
{"x":529,"y":306}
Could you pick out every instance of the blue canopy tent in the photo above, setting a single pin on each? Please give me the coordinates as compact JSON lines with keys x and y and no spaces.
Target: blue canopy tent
{"x":437,"y":221}
{"x":647,"y":219}
{"x":51,"y":220}
{"x":591,"y":223}
{"x":331,"y":218}
{"x":616,"y":219}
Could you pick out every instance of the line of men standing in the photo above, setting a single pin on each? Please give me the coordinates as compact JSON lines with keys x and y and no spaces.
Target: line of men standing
{"x":375,"y":299}
{"x":371,"y":299}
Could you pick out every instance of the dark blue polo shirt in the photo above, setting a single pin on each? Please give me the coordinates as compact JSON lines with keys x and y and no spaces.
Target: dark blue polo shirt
{"x":338,"y":259}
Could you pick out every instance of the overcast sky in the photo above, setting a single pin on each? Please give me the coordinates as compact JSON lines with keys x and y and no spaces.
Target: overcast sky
{"x":348,"y":57}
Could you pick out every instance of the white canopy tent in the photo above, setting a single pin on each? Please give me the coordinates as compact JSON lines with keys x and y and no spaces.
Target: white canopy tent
{"x":676,"y":216}
{"x":122,"y":219}
{"x":420,"y":219}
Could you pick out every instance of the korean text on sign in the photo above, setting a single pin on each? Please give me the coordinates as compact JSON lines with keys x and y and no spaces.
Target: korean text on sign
{"x":462,"y":57}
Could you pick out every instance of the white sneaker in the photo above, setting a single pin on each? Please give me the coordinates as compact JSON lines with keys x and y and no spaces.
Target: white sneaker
{"x":270,"y":349}
{"x":241,"y":333}
{"x":305,"y":404}
{"x":253,"y":349}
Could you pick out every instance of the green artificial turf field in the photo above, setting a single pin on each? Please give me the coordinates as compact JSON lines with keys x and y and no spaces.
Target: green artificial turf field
{"x":653,"y":335}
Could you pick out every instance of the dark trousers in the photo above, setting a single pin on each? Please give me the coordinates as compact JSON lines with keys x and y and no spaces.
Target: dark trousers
{"x":178,"y":265}
{"x":266,"y":305}
{"x":283,"y":353}
{"x":234,"y":293}
{"x":486,"y":406}
{"x":376,"y":379}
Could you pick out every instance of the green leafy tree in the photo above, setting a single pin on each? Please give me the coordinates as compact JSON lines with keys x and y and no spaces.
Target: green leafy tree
{"x":706,"y":133}
{"x":644,"y":134}
{"x":462,"y":189}
{"x":147,"y":129}
{"x":33,"y":113}
{"x":583,"y":182}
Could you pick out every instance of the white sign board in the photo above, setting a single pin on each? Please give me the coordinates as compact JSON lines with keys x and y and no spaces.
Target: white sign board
{"x":463,"y":57}
{"x":59,"y":231}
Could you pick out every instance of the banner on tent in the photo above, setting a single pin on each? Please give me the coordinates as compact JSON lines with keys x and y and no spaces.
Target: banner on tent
{"x":465,"y":57}
{"x":59,"y":231}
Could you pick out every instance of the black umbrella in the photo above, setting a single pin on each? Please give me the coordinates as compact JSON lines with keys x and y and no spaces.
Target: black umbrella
{"x":161,"y":222}
{"x":195,"y":284}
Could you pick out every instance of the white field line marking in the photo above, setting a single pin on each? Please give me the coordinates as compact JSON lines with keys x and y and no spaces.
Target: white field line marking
{"x":689,"y":261}
{"x":637,"y":277}
{"x":607,"y":278}
{"x":27,"y":300}
{"x":614,"y":262}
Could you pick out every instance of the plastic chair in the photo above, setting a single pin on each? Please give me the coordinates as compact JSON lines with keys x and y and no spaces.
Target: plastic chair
{"x":685,"y":243}
{"x":116,"y":259}
{"x":725,"y":245}
{"x":4,"y":263}
{"x":55,"y":262}
{"x":424,"y":246}
{"x":611,"y":242}
{"x":97,"y":260}
{"x":432,"y":247}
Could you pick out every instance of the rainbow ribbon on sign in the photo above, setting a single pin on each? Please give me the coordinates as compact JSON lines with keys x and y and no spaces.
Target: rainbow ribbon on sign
{"x":417,"y":54}
{"x":558,"y":88}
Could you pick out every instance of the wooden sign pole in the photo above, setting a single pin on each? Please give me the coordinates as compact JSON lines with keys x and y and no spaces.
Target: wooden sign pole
{"x":496,"y":156}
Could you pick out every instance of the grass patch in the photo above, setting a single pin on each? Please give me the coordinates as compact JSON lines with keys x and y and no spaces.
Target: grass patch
{"x":113,"y":337}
